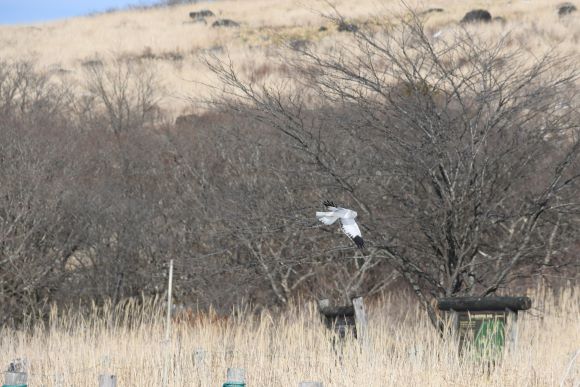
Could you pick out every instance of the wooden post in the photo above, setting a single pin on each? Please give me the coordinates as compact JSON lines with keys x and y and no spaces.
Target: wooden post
{"x":360,"y":320}
{"x":416,"y":355}
{"x":453,"y":328}
{"x":169,"y":290}
{"x":107,"y":381}
{"x":453,"y":322}
{"x":59,"y":380}
{"x":199,"y":357}
{"x":199,"y":364}
{"x":168,"y":325}
{"x":323,"y":304}
{"x":511,"y":333}
{"x":310,"y":384}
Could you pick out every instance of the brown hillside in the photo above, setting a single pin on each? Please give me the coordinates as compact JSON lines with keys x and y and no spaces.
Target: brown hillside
{"x":170,"y":41}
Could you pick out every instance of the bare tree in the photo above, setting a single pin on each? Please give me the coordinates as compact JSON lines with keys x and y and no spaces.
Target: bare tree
{"x":244,"y":193}
{"x":127,"y":91}
{"x":460,"y":157}
{"x":37,"y":234}
{"x":461,"y":154}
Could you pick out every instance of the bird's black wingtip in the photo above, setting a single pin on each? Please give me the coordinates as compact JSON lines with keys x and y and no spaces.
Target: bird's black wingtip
{"x":328,"y":203}
{"x":359,"y":242}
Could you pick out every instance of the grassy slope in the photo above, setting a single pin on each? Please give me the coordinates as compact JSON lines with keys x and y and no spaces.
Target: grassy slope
{"x":168,"y":39}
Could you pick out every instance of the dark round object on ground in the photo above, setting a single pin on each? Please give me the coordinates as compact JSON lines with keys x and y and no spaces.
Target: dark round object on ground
{"x":347,"y":27}
{"x":201,"y":14}
{"x":431,"y":10}
{"x":477,"y":16}
{"x":566,"y":9}
{"x":225,"y":23}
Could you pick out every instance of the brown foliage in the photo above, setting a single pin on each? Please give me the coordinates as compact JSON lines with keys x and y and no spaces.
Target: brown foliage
{"x":462,"y":169}
{"x":461,"y":158}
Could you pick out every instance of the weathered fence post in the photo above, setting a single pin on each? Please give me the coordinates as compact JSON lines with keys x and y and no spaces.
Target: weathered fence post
{"x":59,"y":380}
{"x":199,"y":358}
{"x":236,"y":377}
{"x":361,"y":320}
{"x":310,"y":384}
{"x":511,"y":330}
{"x":324,"y":303}
{"x":199,"y":355}
{"x":107,"y":380}
{"x":451,"y":325}
{"x":167,"y":359}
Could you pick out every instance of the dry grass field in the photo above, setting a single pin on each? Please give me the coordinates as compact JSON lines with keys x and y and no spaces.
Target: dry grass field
{"x":284,"y":349}
{"x":288,"y":346}
{"x":171,"y":43}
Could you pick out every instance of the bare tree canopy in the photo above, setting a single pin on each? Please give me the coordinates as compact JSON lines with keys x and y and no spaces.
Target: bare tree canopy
{"x":462,"y":157}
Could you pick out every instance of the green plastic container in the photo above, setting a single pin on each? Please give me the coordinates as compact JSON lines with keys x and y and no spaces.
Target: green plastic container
{"x":491,"y":334}
{"x":236,"y":377}
{"x":490,"y":340}
{"x":15,"y":379}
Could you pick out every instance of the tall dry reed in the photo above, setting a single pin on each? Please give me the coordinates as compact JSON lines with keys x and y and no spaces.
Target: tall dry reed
{"x":288,"y":347}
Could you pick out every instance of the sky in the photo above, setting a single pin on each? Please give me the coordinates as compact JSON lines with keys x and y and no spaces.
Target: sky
{"x":30,"y":11}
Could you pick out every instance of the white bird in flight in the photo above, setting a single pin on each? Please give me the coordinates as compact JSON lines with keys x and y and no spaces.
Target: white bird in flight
{"x":347,"y":222}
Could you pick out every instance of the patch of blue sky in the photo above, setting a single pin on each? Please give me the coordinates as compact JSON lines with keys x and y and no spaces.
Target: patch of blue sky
{"x":33,"y":11}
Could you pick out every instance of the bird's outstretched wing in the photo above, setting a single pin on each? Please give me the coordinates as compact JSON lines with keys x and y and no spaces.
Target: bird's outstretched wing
{"x":350,"y":228}
{"x":327,"y":218}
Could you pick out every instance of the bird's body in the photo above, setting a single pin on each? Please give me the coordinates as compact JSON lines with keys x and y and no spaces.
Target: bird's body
{"x":347,"y":221}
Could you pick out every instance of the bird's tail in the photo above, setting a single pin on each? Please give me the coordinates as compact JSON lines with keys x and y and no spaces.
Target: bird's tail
{"x":328,"y":203}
